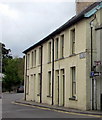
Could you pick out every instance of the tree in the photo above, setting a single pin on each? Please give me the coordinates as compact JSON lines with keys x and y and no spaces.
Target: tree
{"x":5,"y":56}
{"x":13,"y":73}
{"x":13,"y":70}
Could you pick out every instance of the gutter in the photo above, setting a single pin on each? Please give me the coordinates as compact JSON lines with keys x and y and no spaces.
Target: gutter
{"x":84,"y":14}
{"x":93,"y":11}
{"x":71,"y":22}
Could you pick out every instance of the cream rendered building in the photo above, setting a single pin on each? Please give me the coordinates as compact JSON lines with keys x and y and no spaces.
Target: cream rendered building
{"x":57,"y":69}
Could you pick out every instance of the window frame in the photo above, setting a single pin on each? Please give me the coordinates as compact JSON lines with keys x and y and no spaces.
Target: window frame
{"x":72,"y":40}
{"x":49,"y":84}
{"x":73,"y":79}
{"x":35,"y":58}
{"x":49,"y":51}
{"x":56,"y":48}
{"x":62,"y":45}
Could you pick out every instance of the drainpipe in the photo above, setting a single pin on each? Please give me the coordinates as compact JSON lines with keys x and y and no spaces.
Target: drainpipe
{"x":25,"y":75}
{"x":41,"y":75}
{"x":52,"y":70}
{"x":92,"y":79}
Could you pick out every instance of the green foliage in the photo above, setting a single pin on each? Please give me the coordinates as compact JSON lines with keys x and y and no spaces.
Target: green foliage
{"x":13,"y":73}
{"x":5,"y":56}
{"x":13,"y":70}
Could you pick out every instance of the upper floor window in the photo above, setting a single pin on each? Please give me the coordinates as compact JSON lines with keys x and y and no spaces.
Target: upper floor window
{"x":27,"y":85}
{"x":34,"y":57}
{"x":28,"y":61}
{"x":49,"y":52}
{"x":62,"y":46}
{"x":73,"y":73}
{"x":72,"y":41}
{"x":39,"y":55}
{"x":38,"y":91}
{"x":56,"y":48}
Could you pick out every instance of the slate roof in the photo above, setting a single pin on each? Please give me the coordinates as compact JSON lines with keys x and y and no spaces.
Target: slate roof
{"x":69,"y":23}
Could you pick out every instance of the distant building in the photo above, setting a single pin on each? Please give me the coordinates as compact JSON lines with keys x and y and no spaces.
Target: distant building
{"x":1,"y":75}
{"x":0,"y":57}
{"x":65,"y":68}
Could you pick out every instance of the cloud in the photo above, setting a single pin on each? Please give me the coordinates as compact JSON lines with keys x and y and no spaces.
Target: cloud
{"x":50,"y":1}
{"x":8,"y":12}
{"x":24,"y":24}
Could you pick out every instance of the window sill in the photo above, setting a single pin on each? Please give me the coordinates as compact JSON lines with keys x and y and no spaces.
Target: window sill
{"x":56,"y":60}
{"x":73,"y":98}
{"x":49,"y":63}
{"x":49,"y":96}
{"x":59,"y":59}
{"x":34,"y":67}
{"x":31,"y":68}
{"x":72,"y":55}
{"x":39,"y":65}
{"x":38,"y":94}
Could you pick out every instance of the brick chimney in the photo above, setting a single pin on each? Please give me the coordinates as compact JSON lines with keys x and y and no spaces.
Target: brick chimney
{"x":83,"y":4}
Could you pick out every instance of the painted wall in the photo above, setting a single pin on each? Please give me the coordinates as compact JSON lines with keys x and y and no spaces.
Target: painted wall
{"x":83,"y":86}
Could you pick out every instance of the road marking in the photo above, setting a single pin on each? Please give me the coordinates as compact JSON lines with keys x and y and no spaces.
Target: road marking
{"x":99,"y":116}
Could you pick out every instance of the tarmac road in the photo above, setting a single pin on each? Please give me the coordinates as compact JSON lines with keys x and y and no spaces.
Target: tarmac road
{"x":11,"y":110}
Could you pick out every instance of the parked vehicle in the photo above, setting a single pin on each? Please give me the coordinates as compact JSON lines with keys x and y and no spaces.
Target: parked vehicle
{"x":20,"y":89}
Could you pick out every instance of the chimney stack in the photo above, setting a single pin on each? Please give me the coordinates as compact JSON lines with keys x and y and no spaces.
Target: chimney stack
{"x":83,"y":4}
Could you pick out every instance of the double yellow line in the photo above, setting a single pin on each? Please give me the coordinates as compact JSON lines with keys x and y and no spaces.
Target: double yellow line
{"x":73,"y":113}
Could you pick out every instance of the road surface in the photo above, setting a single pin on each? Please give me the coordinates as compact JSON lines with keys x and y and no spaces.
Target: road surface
{"x":11,"y":110}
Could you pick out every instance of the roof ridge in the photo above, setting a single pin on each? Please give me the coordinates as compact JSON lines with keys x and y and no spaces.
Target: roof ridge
{"x":69,"y":23}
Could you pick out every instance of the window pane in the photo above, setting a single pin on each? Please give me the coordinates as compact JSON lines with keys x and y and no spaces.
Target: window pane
{"x":62,"y":46}
{"x":57,"y":42}
{"x":40,"y":55}
{"x":74,"y":88}
{"x":73,"y":40}
{"x":49,"y":52}
{"x":35,"y":58}
{"x":32,"y":61}
{"x":49,"y":83}
{"x":73,"y":81}
{"x":39,"y":83}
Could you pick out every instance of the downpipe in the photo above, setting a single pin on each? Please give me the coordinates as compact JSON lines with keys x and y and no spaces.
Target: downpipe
{"x":25,"y":82}
{"x":95,"y":95}
{"x":41,"y":75}
{"x":93,"y":80}
{"x":52,"y":70}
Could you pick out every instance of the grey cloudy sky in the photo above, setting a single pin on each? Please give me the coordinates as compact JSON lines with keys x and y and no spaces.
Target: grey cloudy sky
{"x":25,"y":23}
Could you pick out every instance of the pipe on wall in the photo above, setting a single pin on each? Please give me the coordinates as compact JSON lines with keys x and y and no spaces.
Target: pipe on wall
{"x":41,"y":74}
{"x":25,"y":75}
{"x":52,"y":70}
{"x":92,"y":79}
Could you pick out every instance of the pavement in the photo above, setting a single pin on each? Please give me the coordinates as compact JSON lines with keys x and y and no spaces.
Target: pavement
{"x":64,"y":109}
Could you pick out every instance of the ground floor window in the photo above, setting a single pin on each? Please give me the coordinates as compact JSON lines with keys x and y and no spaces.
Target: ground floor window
{"x":39,"y":74}
{"x":49,"y":84}
{"x":73,"y":77}
{"x":27,"y":85}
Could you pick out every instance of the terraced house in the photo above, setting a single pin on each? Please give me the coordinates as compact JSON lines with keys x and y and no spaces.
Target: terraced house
{"x":64,"y":68}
